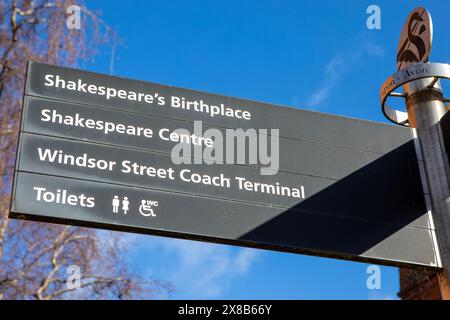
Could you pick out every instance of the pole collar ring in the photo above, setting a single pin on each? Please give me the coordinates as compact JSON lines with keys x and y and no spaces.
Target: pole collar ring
{"x":410,"y":73}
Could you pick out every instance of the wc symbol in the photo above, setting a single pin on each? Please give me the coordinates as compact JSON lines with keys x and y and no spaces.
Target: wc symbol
{"x":146,"y":209}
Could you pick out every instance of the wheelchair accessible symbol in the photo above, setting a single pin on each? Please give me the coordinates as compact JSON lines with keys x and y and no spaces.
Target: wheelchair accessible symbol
{"x":146,"y":208}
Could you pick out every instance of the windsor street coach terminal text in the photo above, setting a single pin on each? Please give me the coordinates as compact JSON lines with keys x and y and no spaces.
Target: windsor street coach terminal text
{"x":185,"y":175}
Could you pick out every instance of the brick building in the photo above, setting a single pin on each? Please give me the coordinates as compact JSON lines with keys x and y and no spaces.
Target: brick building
{"x":419,"y":285}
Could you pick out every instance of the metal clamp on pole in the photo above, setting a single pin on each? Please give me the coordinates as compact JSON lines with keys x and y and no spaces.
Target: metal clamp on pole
{"x":414,"y":78}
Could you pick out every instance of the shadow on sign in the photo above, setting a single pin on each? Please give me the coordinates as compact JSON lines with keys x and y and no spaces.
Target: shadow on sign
{"x":360,"y":215}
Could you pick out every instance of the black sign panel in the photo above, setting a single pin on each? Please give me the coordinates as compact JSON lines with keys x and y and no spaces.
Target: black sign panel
{"x":96,"y":150}
{"x":49,"y":198}
{"x":292,"y":123}
{"x":88,"y":123}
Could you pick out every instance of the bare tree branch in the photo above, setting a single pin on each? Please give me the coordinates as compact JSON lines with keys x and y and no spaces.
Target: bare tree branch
{"x":35,"y":257}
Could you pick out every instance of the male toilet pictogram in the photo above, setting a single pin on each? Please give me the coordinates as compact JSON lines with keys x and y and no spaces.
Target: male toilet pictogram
{"x":115,"y":204}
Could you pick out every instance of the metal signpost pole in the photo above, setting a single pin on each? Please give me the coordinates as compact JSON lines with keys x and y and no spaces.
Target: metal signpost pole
{"x":425,"y":105}
{"x":425,"y":109}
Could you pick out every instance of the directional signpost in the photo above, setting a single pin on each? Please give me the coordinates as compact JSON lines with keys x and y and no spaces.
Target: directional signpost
{"x":98,"y":151}
{"x":425,"y":106}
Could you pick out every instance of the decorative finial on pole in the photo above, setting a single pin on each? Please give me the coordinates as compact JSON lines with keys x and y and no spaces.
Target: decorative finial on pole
{"x":413,"y":56}
{"x":416,"y":39}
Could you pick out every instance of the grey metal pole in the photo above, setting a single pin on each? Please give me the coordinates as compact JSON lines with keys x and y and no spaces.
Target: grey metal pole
{"x":425,"y":106}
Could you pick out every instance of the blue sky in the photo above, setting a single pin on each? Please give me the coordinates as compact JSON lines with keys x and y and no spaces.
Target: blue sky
{"x":316,"y":55}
